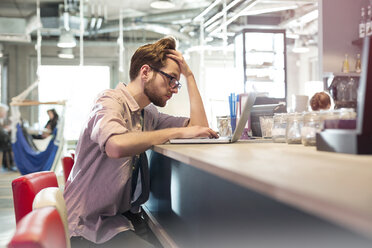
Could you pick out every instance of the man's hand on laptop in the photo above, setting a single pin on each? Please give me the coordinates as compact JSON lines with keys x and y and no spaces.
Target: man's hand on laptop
{"x":197,"y":131}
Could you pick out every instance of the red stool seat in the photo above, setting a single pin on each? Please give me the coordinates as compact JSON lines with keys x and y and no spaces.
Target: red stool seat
{"x":41,"y":227}
{"x":26,"y":187}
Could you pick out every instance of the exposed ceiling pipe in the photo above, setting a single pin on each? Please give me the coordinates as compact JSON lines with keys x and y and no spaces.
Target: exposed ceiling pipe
{"x":148,"y":27}
{"x":220,"y":14}
{"x":66,"y":17}
{"x":288,"y":22}
{"x":169,"y":17}
{"x":290,"y":1}
{"x":235,"y":16}
{"x":38,"y":44}
{"x":274,"y":8}
{"x":121,"y":42}
{"x":81,"y":38}
{"x":199,"y":17}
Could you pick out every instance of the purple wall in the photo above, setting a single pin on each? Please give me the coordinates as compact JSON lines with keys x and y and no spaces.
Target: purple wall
{"x":338,"y":27}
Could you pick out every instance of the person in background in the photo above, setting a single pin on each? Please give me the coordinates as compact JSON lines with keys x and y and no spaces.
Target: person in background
{"x":53,"y":120}
{"x":320,"y":101}
{"x":99,"y":193}
{"x":50,"y":126}
{"x":5,"y":143}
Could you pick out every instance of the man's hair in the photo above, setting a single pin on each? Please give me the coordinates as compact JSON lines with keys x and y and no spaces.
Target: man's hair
{"x":320,"y":100}
{"x":151,"y":54}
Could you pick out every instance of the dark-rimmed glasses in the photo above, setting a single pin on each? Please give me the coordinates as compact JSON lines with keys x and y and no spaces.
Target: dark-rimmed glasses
{"x":173,"y":82}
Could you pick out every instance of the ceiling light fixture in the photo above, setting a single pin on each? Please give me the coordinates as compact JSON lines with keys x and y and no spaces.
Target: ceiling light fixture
{"x":66,"y":39}
{"x":66,"y":53}
{"x":162,"y":4}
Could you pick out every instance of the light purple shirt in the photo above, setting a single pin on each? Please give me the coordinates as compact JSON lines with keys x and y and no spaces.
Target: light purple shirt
{"x":97,"y":191}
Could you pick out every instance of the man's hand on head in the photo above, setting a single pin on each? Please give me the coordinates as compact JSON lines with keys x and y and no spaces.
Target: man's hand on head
{"x":177,"y":56}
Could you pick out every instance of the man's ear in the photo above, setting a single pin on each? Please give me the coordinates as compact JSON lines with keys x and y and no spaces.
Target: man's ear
{"x":145,"y":72}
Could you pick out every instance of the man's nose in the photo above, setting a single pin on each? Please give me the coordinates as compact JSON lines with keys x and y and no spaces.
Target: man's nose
{"x":174,"y":90}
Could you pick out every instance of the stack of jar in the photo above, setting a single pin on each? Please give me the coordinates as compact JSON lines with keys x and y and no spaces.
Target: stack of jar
{"x":297,"y":128}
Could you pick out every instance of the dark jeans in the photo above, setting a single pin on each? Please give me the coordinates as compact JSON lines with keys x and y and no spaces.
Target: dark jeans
{"x":127,"y":239}
{"x":8,"y":159}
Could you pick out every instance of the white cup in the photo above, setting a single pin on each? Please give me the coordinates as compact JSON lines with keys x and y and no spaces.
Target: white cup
{"x":300,"y":103}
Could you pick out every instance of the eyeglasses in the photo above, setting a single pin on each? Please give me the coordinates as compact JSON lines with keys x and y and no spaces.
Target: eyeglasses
{"x":173,"y":82}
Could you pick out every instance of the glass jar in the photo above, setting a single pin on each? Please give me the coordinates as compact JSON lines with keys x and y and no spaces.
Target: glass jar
{"x":266,"y":125}
{"x":279,"y":128}
{"x":312,"y":125}
{"x":294,"y":125}
{"x":347,"y":113}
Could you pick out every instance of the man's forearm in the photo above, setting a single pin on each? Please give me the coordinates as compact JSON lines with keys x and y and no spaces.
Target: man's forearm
{"x":197,"y":112}
{"x":132,"y":143}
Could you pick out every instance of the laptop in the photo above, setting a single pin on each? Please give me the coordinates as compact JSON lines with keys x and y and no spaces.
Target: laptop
{"x":246,"y":112}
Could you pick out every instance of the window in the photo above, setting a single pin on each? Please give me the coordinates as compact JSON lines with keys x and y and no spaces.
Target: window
{"x":222,"y":80}
{"x":79,"y":86}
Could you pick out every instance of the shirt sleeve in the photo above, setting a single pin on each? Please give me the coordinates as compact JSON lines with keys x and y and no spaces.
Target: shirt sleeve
{"x":161,"y":120}
{"x":107,"y":119}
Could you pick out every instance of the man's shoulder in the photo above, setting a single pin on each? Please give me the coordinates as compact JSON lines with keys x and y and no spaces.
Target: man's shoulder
{"x":111,"y":94}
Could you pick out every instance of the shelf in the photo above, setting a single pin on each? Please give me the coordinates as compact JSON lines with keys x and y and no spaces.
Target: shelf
{"x":260,"y":51}
{"x":340,"y":74}
{"x":358,"y":42}
{"x":270,"y":68}
{"x":263,"y":63}
{"x":260,"y":67}
{"x":259,"y":80}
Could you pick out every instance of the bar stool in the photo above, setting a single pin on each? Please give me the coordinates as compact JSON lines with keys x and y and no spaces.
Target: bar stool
{"x":67,"y":163}
{"x":53,"y":197}
{"x":26,"y":187}
{"x":41,"y":227}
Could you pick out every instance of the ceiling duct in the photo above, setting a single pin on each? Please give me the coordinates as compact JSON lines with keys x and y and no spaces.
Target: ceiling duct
{"x":13,"y":30}
{"x":161,"y":29}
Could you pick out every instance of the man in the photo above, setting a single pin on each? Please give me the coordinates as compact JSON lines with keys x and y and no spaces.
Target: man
{"x":98,"y":190}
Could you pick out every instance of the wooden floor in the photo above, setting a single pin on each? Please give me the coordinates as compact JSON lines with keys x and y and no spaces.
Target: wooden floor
{"x":7,"y":218}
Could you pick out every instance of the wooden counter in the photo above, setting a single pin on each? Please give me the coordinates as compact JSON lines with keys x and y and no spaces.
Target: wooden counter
{"x":334,"y":187}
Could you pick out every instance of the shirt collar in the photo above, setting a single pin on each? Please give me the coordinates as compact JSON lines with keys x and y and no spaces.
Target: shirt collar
{"x":133,"y":105}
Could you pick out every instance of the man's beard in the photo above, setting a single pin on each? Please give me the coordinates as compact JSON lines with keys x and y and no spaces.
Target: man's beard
{"x":153,"y":95}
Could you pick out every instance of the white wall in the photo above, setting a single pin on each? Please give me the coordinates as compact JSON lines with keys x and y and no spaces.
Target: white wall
{"x":299,"y":79}
{"x":207,"y":85}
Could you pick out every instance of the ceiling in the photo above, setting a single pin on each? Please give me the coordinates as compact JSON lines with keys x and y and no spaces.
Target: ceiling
{"x":18,"y":22}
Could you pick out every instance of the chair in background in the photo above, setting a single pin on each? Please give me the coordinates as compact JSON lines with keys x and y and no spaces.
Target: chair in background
{"x":67,"y":163}
{"x":42,"y":227}
{"x":26,"y":187}
{"x":53,"y":197}
{"x":72,"y":155}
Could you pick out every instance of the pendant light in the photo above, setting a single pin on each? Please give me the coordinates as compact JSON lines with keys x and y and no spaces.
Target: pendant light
{"x":162,"y":4}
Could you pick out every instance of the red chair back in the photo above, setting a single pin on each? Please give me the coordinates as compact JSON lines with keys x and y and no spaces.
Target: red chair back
{"x":26,"y":187}
{"x":67,"y":163}
{"x":73,"y":155}
{"x":41,"y":227}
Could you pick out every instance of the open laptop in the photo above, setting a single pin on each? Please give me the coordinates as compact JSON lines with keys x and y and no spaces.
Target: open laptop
{"x":246,"y":112}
